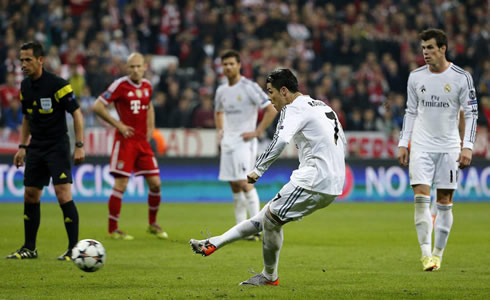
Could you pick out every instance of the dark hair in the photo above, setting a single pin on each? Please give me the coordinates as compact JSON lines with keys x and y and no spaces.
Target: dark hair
{"x":437,"y":34}
{"x":37,"y":48}
{"x":230,"y":53}
{"x":283,"y":77}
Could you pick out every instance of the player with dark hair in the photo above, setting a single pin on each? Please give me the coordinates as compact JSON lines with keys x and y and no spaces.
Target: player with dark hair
{"x":45,"y":100}
{"x":435,"y":94}
{"x":132,"y":151}
{"x":318,"y":135}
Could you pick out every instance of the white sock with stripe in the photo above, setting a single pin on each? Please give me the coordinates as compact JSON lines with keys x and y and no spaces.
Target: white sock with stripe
{"x":443,"y":224}
{"x":241,"y":230}
{"x":253,"y":202}
{"x":423,"y":223}
{"x":240,"y":207}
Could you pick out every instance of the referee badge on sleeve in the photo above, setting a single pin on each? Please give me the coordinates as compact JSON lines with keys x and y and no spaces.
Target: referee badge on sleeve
{"x":46,"y":104}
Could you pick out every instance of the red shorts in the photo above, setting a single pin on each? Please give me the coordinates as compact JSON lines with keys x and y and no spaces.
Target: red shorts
{"x":133,"y":155}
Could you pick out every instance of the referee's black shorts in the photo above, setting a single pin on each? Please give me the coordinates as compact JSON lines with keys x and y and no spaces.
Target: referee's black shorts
{"x":48,"y":159}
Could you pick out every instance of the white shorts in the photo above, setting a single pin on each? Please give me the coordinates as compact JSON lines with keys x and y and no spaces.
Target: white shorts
{"x":236,"y":163}
{"x":294,"y":202}
{"x":440,"y":169}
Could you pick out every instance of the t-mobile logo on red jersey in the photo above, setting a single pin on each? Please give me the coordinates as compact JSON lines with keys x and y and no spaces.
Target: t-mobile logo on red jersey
{"x":135,"y":106}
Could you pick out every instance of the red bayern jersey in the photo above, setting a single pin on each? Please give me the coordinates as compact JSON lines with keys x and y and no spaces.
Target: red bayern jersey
{"x":7,"y":94}
{"x":132,"y":102}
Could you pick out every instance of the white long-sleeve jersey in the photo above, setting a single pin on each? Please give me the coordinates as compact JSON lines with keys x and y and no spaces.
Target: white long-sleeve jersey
{"x":321,"y":144}
{"x":432,"y":115}
{"x":240,"y":104}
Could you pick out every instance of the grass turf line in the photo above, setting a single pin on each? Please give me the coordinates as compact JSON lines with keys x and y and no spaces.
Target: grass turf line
{"x":346,"y":251}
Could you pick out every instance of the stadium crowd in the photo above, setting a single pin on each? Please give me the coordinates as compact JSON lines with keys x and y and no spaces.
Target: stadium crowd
{"x":355,"y":55}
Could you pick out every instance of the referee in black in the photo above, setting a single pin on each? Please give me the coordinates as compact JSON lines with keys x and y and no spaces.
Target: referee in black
{"x":45,"y":98}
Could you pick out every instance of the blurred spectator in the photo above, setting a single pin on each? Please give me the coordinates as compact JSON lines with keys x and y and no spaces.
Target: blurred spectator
{"x":336,"y":106}
{"x":203,"y":116}
{"x":12,"y":116}
{"x":9,"y":91}
{"x":12,"y":65}
{"x":86,"y":101}
{"x":369,"y":120}
{"x":386,"y":123}
{"x":358,"y":52}
{"x":117,"y":46}
{"x":354,"y":122}
{"x":181,"y":116}
{"x":162,"y":111}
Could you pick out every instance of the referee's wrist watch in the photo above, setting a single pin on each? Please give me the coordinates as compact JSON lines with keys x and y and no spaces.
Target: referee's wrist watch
{"x":22,"y":146}
{"x":79,"y":144}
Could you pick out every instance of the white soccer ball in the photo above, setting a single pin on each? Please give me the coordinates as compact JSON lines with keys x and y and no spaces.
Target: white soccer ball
{"x":89,"y":255}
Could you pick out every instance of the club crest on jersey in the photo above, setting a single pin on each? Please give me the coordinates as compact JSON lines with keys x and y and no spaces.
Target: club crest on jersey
{"x":447,"y":88}
{"x":472,"y":95}
{"x":139,"y":93}
{"x":120,"y":164}
{"x":147,"y":94}
{"x":422,"y":89}
{"x":46,"y":104}
{"x":239,"y":98}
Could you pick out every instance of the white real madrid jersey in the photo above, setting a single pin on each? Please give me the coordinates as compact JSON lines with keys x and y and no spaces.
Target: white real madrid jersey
{"x":432,"y":114}
{"x":240,"y":104}
{"x":321,"y":144}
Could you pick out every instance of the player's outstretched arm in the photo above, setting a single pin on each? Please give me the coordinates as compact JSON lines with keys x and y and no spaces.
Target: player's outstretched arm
{"x":100,"y":109}
{"x":79,"y":153}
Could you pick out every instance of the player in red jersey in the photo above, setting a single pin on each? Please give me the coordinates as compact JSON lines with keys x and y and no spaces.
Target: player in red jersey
{"x":131,"y":151}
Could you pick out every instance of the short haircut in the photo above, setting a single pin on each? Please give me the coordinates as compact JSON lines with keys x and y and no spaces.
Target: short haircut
{"x":230,"y":53}
{"x":283,"y":77}
{"x":37,"y":48}
{"x":437,"y":34}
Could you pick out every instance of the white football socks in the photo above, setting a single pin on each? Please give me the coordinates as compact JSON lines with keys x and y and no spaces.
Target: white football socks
{"x":423,"y":223}
{"x":241,"y":230}
{"x":443,"y":224}
{"x":271,"y":247}
{"x":253,"y":202}
{"x":240,"y":207}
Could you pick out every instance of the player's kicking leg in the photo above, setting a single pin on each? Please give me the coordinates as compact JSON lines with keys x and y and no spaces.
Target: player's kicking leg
{"x":245,"y":228}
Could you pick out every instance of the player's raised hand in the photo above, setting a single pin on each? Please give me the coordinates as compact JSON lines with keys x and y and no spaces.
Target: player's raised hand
{"x":252,"y":177}
{"x":465,"y":158}
{"x":249,"y":135}
{"x":126,"y":131}
{"x":79,"y":155}
{"x":19,"y":158}
{"x":403,"y":156}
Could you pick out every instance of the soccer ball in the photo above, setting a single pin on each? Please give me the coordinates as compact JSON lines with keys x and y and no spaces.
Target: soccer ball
{"x":89,"y":255}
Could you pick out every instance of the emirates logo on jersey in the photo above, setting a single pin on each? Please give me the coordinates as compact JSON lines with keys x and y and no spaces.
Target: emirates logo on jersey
{"x":136,"y":106}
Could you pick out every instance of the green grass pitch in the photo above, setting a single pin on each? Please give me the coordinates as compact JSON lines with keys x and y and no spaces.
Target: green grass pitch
{"x":345,"y":251}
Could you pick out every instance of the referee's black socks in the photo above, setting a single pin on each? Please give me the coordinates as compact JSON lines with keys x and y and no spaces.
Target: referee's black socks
{"x":32,"y":218}
{"x":70,"y":217}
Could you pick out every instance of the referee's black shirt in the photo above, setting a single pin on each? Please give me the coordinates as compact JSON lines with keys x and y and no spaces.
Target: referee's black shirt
{"x":44,"y":102}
